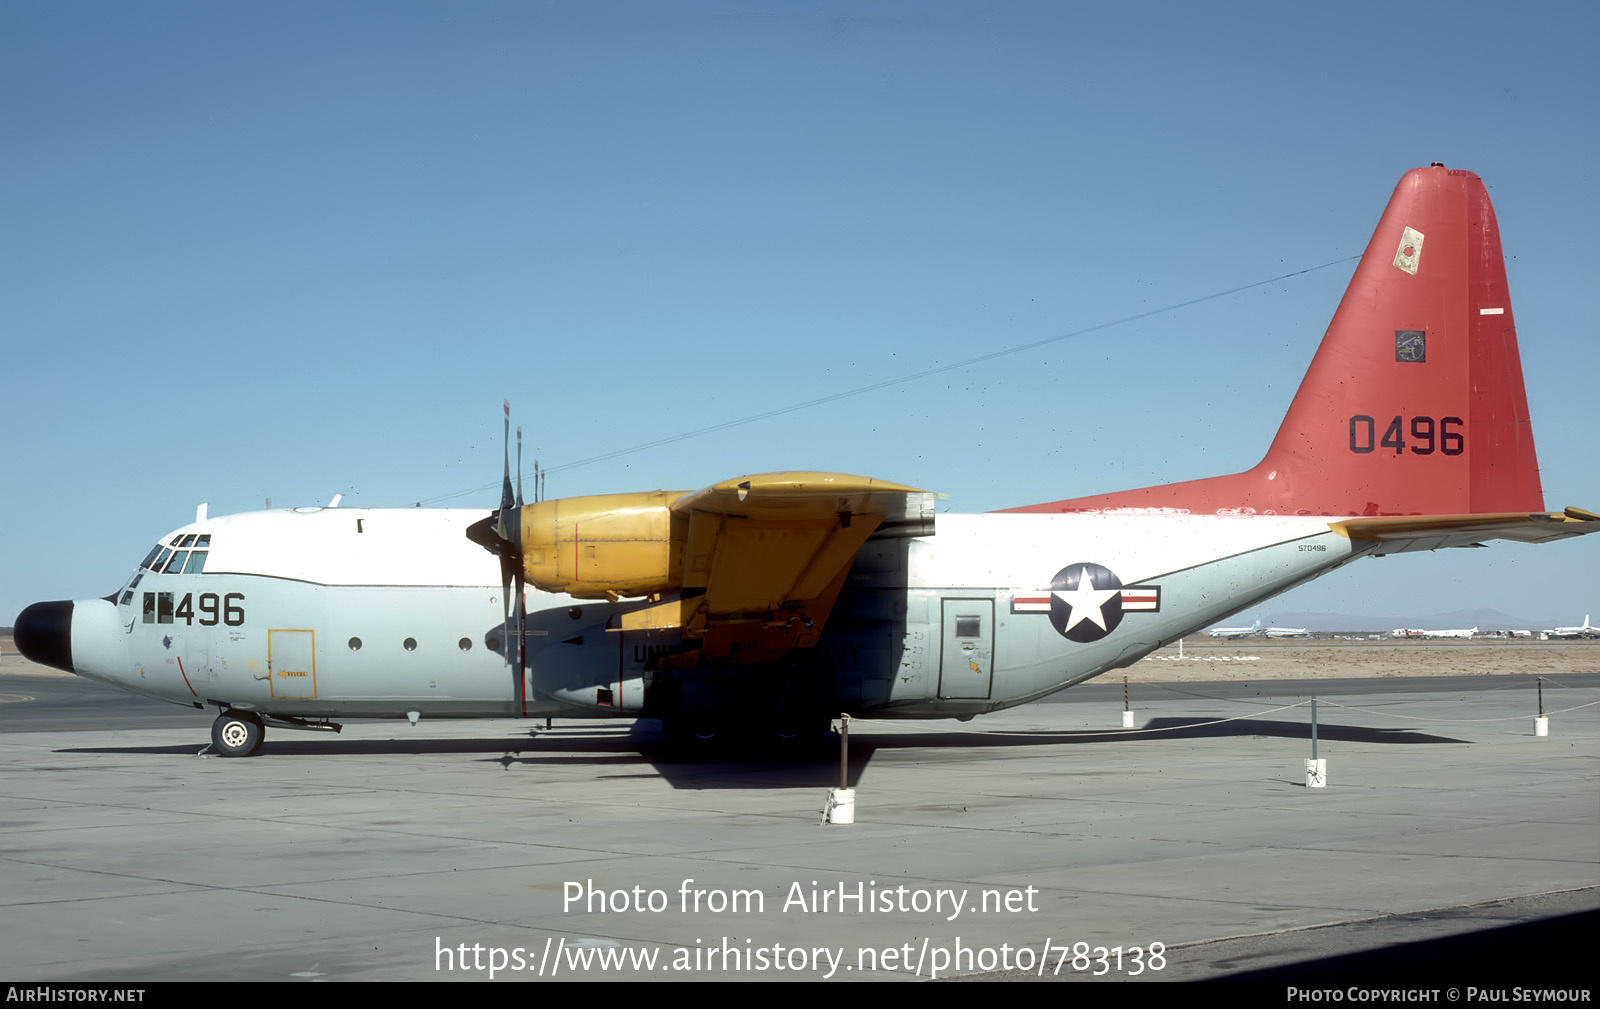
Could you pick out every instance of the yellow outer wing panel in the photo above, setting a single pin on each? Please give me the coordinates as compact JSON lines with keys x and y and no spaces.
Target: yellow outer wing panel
{"x":766,"y":555}
{"x":797,"y":495}
{"x":1433,"y":531}
{"x":759,"y":564}
{"x":756,"y":543}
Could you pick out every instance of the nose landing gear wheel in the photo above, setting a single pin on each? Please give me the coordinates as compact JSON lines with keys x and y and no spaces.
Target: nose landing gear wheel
{"x":237,"y":733}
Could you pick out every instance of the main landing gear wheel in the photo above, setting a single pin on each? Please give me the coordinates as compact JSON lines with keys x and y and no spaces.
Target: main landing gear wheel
{"x":698,"y":738}
{"x":237,"y":733}
{"x":799,"y":734}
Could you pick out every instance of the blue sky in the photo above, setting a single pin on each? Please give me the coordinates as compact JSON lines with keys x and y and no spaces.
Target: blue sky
{"x":291,"y":250}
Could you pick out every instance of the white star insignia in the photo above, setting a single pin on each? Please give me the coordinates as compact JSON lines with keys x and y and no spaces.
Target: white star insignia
{"x":1085,"y":601}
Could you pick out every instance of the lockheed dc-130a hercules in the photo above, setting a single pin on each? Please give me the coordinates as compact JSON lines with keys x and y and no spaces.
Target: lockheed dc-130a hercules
{"x":785,"y":599}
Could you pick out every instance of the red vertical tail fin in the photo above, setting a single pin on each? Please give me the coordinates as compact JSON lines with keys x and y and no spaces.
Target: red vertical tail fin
{"x":1414,"y":403}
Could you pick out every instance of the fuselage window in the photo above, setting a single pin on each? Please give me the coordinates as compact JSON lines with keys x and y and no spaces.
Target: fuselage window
{"x":197,"y":563}
{"x":465,"y":644}
{"x":176,"y":567}
{"x":355,"y":644}
{"x":967,"y":627}
{"x":492,"y":643}
{"x":411,"y":644}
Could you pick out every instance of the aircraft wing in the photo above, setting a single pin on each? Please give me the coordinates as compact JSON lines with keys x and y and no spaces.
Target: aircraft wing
{"x":766,"y":556}
{"x":1430,"y":532}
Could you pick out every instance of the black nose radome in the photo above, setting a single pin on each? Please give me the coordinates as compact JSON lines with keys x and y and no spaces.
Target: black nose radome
{"x":43,"y":633}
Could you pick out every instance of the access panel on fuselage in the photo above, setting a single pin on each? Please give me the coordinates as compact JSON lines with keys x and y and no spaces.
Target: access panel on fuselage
{"x":292,"y":664}
{"x":966,"y":654}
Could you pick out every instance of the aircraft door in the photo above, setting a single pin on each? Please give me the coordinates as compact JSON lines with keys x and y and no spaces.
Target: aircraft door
{"x":197,"y":656}
{"x":292,"y":664}
{"x":966,"y":655}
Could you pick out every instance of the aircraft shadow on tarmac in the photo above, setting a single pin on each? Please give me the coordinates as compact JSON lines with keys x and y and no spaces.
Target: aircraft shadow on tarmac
{"x":642,"y":748}
{"x":1558,"y":945}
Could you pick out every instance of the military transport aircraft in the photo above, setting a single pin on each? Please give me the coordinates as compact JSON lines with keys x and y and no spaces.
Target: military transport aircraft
{"x":787,"y":598}
{"x":1236,"y":632}
{"x":1587,"y":630}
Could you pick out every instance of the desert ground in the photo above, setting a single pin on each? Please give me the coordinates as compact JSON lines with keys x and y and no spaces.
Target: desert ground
{"x":1328,"y":659}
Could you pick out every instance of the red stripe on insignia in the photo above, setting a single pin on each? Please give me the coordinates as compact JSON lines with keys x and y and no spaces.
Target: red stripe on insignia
{"x":1029,"y":604}
{"x":1141,"y":599}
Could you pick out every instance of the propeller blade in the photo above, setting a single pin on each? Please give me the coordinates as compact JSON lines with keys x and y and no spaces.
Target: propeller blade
{"x":501,"y":534}
{"x":507,"y":502}
{"x":522,"y":650}
{"x":506,"y":572}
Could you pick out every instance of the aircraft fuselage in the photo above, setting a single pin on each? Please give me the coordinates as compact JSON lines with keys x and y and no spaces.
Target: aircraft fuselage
{"x":350,"y":613}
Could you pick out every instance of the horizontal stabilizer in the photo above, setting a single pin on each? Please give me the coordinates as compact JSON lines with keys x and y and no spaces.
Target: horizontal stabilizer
{"x":1434,"y":531}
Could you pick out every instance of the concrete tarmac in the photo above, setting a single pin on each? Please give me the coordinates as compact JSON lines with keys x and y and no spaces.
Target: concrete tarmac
{"x":433,"y":853}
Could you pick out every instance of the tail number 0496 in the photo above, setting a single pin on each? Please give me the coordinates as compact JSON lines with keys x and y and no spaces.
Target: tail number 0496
{"x":1426,"y":436}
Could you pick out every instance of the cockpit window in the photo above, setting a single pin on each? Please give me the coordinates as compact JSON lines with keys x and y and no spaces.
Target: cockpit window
{"x":149,"y":607}
{"x":176,"y":558}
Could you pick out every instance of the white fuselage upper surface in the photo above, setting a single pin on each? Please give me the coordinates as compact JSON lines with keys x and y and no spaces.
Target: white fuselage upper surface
{"x":379,"y":612}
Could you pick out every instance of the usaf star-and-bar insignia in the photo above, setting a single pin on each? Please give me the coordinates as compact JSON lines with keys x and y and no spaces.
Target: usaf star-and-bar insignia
{"x":1087,"y":601}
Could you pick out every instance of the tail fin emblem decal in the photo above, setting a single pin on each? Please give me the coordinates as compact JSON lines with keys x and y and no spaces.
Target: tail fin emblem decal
{"x":1409,"y":254}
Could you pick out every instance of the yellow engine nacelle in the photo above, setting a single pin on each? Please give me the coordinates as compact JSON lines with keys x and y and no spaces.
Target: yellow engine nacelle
{"x":605,"y":545}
